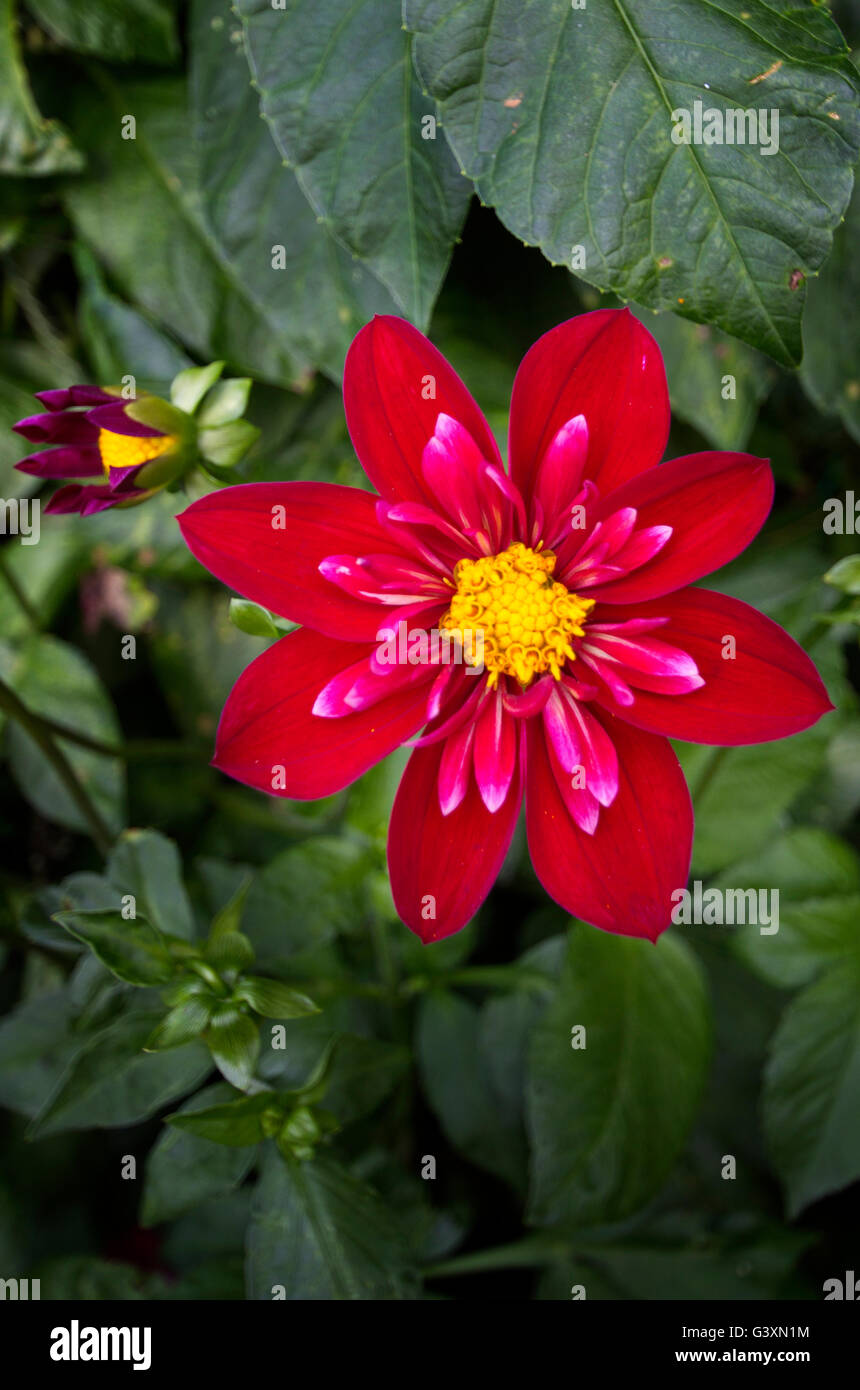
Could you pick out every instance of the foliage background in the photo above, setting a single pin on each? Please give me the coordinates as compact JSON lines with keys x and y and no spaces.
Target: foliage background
{"x":553,"y":1167}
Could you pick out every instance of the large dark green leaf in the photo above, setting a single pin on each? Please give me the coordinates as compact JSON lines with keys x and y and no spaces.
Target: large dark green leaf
{"x":811,"y":1115}
{"x":320,"y":1234}
{"x":172,"y":262}
{"x":56,"y":680}
{"x":28,"y":143}
{"x":563,"y":117}
{"x":131,"y":950}
{"x":831,"y":327}
{"x":338,"y":89}
{"x":321,"y":295}
{"x":607,"y":1121}
{"x":35,"y":1044}
{"x":122,"y":30}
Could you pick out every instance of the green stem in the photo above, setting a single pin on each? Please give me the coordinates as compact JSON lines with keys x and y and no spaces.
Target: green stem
{"x":20,"y":597}
{"x":135,"y":750}
{"x":498,"y":977}
{"x":712,"y":767}
{"x":43,"y":737}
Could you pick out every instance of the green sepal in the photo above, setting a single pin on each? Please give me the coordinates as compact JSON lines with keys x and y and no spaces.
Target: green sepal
{"x":226,"y":402}
{"x":845,"y":574}
{"x":190,"y":385}
{"x":273,"y":999}
{"x":161,"y":416}
{"x":225,"y":445}
{"x":253,"y":619}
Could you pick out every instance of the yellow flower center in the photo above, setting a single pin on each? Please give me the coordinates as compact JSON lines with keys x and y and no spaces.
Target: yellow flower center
{"x":526,"y":619}
{"x":126,"y":450}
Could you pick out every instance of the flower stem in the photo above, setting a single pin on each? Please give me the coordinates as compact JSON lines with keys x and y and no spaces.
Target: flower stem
{"x":42,"y":735}
{"x":20,"y":597}
{"x":521,"y":1254}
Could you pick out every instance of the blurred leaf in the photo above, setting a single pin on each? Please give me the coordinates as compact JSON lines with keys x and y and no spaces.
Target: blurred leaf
{"x":120,"y":340}
{"x":320,"y":1234}
{"x":363,"y":1072}
{"x":28,"y":143}
{"x":460,"y":1089}
{"x":234,"y":1041}
{"x":314,"y":292}
{"x":113,"y":1082}
{"x":131,"y":950}
{"x":346,"y":110}
{"x":716,"y":382}
{"x":830,"y":372}
{"x":184,"y":1169}
{"x":183,"y":1024}
{"x":608,"y":1121}
{"x":730,"y":821}
{"x":87,"y":1278}
{"x":35,"y":1046}
{"x":273,"y":999}
{"x":811,"y":1116}
{"x":817,"y":877}
{"x":730,"y":235}
{"x":234,"y":1123}
{"x":171,"y":264}
{"x":57,"y":681}
{"x":147,"y":865}
{"x":121,"y":31}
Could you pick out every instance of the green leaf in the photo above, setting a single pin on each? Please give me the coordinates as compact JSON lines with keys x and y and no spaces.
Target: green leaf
{"x":363,"y":1072}
{"x":251,"y":618}
{"x":234,"y":1041}
{"x":564,"y":119}
{"x":119,"y":340}
{"x":183,"y":1169}
{"x":817,"y":877}
{"x":185,"y":1022}
{"x":313,"y":295}
{"x":29,"y":144}
{"x":122,"y":31}
{"x":273,"y":999}
{"x":319,"y":1233}
{"x":608,"y":1121}
{"x":132,"y":950}
{"x":715,"y":382}
{"x":147,"y":865}
{"x":830,"y":371}
{"x":113,"y":1082}
{"x":845,"y":575}
{"x":36,"y":1042}
{"x":229,"y":950}
{"x":57,"y":681}
{"x":351,"y":126}
{"x":811,"y":1117}
{"x":235,"y":1123}
{"x":460,"y":1088}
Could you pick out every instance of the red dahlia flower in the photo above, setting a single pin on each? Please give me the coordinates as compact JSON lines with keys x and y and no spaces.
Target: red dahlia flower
{"x":575,"y":567}
{"x":139,"y":445}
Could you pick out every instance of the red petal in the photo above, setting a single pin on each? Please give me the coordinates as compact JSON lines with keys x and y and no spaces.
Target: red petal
{"x":769,"y":690}
{"x":442,"y":867}
{"x":231,"y":533}
{"x":622,"y":877}
{"x":715,"y":504}
{"x":389,"y":370}
{"x":604,"y":366}
{"x":267,"y":723}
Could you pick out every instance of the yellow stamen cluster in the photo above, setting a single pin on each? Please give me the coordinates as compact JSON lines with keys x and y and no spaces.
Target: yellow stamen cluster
{"x":526,"y":618}
{"x":126,"y":450}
